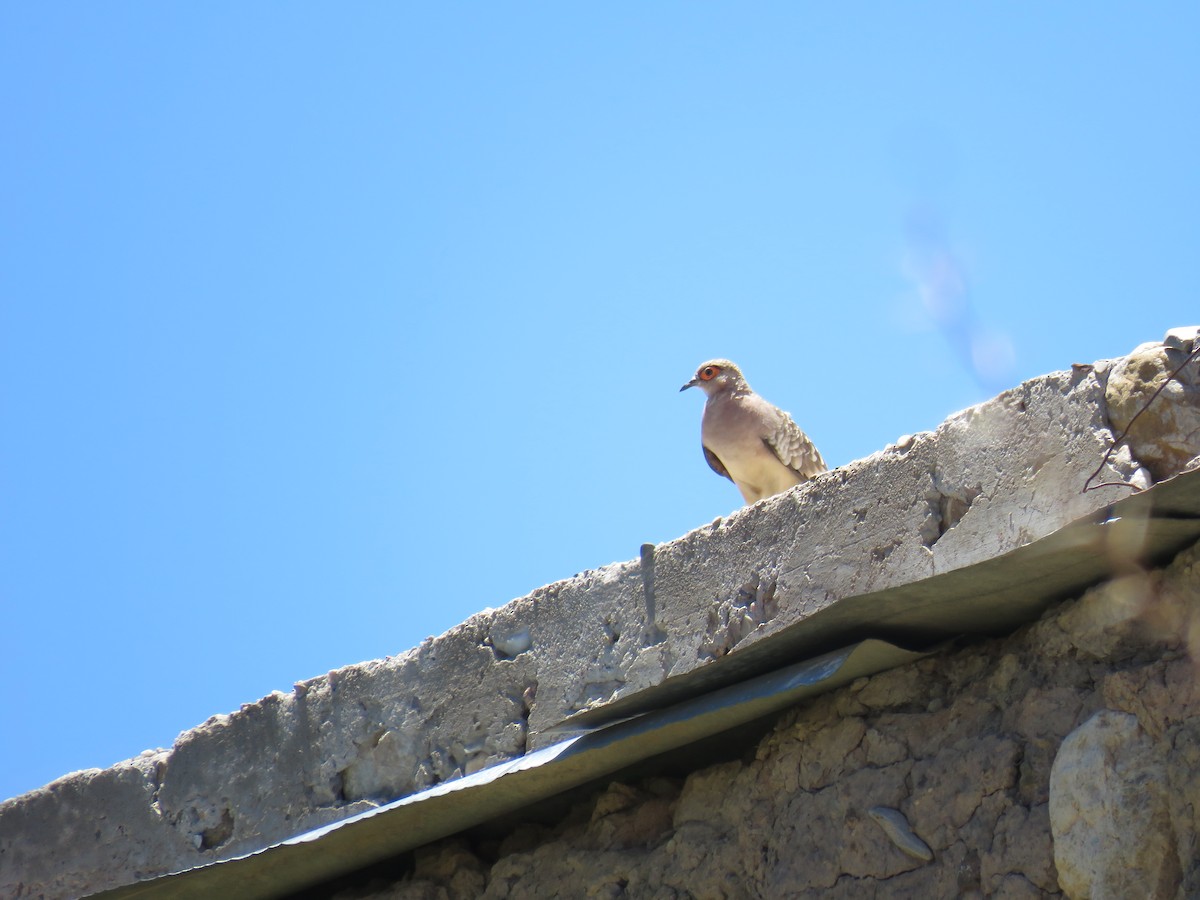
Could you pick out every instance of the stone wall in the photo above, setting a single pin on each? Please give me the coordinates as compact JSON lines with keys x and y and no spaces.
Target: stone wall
{"x":1064,"y":758}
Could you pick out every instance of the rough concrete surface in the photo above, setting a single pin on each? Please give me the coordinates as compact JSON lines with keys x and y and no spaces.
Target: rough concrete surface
{"x":988,"y":480}
{"x":1062,"y":759}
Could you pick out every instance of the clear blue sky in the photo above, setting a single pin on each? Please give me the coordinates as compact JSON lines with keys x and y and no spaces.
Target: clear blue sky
{"x":325,"y":326}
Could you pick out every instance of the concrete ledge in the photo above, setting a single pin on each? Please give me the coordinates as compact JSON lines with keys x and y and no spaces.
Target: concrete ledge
{"x":989,"y":480}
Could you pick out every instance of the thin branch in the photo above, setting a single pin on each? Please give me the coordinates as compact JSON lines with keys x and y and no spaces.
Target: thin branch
{"x":1116,"y":443}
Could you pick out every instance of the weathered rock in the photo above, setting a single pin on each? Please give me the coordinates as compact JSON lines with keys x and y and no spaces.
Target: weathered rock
{"x":1165,"y":437}
{"x":1110,"y":814}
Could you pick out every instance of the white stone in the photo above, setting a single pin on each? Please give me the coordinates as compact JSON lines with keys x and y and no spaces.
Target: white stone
{"x":1109,"y":814}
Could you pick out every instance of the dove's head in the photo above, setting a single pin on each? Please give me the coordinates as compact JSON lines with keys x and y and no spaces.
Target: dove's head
{"x":717,"y":375}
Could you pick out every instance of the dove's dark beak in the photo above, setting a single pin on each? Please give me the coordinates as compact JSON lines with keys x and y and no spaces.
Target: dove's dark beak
{"x":691,"y":383}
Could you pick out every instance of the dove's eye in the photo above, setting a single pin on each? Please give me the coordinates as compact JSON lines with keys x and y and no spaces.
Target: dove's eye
{"x":708,"y":373}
